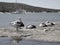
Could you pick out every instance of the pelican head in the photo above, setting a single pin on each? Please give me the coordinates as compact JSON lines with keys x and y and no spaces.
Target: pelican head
{"x":20,"y":20}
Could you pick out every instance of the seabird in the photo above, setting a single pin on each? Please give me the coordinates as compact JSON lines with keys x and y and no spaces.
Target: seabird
{"x":49,"y":23}
{"x":30,"y":26}
{"x":43,"y":25}
{"x":17,"y":24}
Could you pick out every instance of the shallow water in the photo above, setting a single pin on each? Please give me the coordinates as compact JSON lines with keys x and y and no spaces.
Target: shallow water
{"x":28,"y":18}
{"x":7,"y":41}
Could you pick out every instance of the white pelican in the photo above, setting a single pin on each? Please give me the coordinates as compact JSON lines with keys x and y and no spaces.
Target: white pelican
{"x":49,"y":23}
{"x":17,"y":24}
{"x":43,"y":25}
{"x":30,"y":26}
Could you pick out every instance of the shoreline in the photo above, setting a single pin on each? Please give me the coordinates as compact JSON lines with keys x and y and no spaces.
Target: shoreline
{"x":52,"y":35}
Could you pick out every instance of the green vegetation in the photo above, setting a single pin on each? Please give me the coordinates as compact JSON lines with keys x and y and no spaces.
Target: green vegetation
{"x":10,"y":7}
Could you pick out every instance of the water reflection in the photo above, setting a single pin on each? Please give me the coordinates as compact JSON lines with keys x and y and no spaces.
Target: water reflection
{"x":16,"y":38}
{"x":9,"y":41}
{"x":16,"y":41}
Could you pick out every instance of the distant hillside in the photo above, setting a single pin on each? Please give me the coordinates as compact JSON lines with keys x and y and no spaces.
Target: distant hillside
{"x":10,"y":7}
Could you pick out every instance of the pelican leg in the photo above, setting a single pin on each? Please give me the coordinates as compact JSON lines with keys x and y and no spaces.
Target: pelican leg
{"x":17,"y":28}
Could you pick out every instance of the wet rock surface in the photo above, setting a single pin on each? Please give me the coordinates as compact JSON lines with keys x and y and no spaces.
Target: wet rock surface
{"x":53,"y":33}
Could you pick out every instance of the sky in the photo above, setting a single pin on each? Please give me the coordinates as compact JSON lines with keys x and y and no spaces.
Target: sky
{"x":53,"y":4}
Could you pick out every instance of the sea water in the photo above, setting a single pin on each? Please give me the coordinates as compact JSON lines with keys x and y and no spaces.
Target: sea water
{"x":28,"y":18}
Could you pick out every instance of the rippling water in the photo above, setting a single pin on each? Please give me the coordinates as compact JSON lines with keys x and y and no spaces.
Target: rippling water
{"x":28,"y":18}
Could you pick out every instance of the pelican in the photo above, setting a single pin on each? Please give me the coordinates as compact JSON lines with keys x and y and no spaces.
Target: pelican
{"x":30,"y":26}
{"x":17,"y":24}
{"x":49,"y":23}
{"x":43,"y":25}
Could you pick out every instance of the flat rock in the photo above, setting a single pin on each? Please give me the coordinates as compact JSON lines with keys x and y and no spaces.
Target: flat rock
{"x":53,"y":33}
